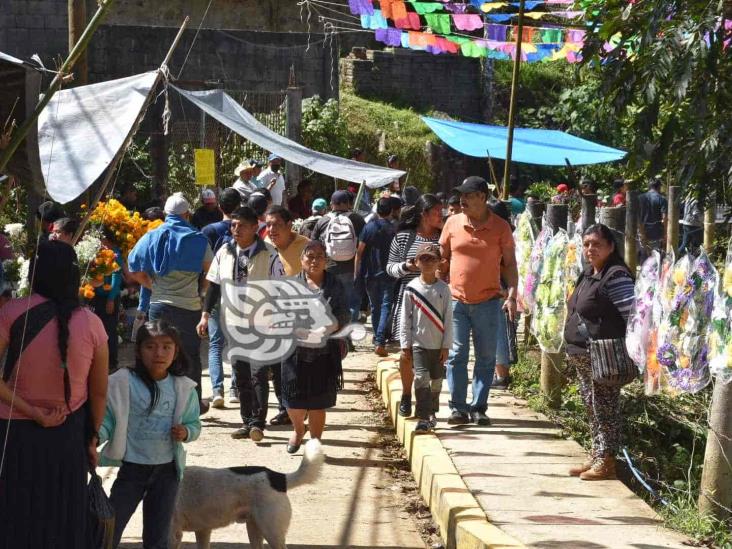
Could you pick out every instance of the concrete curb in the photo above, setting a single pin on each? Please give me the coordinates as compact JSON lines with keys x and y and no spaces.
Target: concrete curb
{"x":462,"y":522}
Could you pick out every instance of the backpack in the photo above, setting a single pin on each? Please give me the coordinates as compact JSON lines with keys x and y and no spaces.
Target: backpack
{"x":340,"y":238}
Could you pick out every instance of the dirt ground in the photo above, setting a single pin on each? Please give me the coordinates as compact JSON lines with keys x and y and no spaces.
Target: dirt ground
{"x":365,"y":496}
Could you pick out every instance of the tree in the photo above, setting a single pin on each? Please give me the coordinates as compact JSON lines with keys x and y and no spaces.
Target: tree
{"x":665,"y":67}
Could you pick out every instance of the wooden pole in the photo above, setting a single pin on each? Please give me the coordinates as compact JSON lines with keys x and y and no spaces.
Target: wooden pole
{"x":631,"y":229}
{"x":710,"y":218}
{"x":715,"y":495}
{"x":77,"y":23}
{"x":118,"y":157}
{"x":672,"y":228}
{"x":512,"y":108}
{"x":551,"y":378}
{"x":79,"y":48}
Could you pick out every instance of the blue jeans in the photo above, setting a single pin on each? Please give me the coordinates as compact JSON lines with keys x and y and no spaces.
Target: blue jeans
{"x":482,"y":320}
{"x":156,"y":486}
{"x":216,"y":344}
{"x":380,"y":290}
{"x":353,"y":297}
{"x":185,"y":321}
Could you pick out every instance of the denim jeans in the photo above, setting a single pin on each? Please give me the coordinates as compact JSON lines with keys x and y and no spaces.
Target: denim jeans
{"x":216,"y":344}
{"x":156,"y":486}
{"x":185,"y":321}
{"x":482,"y":320}
{"x":252,"y":382}
{"x":381,"y":294}
{"x":351,"y":293}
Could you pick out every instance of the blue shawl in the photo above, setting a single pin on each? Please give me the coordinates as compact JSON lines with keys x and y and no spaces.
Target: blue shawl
{"x":174,"y":246}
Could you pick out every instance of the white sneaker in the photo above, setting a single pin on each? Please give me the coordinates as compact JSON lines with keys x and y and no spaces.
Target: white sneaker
{"x":217,"y":401}
{"x":233,"y":397}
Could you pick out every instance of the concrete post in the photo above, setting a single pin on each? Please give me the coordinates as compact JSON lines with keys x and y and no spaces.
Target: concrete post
{"x":614,"y":218}
{"x":589,"y":210}
{"x":710,"y":217}
{"x":631,"y":230}
{"x":551,"y":379}
{"x":715,"y":495}
{"x":294,"y":132}
{"x":672,"y":229}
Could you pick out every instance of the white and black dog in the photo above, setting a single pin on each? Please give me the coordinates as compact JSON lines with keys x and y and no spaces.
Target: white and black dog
{"x":214,"y":498}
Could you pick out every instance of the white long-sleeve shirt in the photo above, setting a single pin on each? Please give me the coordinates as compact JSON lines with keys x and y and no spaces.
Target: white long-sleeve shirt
{"x":426,"y":315}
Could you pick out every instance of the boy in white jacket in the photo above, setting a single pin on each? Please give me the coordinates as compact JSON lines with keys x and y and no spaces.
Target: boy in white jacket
{"x":426,"y":333}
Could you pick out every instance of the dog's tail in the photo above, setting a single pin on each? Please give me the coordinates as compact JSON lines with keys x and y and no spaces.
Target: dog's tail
{"x":309,"y":469}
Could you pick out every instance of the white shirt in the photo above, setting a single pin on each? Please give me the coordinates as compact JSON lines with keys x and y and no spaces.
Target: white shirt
{"x":245,"y":188}
{"x":265,"y":178}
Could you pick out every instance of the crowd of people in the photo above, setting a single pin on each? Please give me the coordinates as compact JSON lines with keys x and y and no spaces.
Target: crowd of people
{"x":435,"y":271}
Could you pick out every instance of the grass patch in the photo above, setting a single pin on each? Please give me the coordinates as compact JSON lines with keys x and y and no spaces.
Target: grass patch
{"x":401,"y":130}
{"x":665,"y":436}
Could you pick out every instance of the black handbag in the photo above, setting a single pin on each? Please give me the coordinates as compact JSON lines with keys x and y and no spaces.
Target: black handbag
{"x":511,"y":338}
{"x":609,"y":359}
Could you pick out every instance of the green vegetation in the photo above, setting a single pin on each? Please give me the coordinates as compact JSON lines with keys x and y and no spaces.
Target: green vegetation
{"x":399,"y":129}
{"x":665,"y":436}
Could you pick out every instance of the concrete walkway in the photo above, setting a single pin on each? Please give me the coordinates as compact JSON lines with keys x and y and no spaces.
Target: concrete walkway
{"x":516,"y":469}
{"x":351,"y":505}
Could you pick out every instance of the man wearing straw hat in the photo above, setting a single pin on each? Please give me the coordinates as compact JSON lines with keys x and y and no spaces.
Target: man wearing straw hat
{"x":247,"y":172}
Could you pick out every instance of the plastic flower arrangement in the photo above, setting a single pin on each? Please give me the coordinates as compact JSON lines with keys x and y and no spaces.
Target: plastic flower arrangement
{"x":572,"y":264}
{"x":95,"y":262}
{"x":127,"y":228}
{"x":641,"y":315}
{"x":531,"y":280}
{"x":655,"y":376}
{"x":550,"y":309}
{"x":720,"y":328}
{"x":683,"y":349}
{"x":523,"y":236}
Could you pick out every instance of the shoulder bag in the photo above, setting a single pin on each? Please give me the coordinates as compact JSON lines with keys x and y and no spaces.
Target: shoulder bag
{"x":611,"y":365}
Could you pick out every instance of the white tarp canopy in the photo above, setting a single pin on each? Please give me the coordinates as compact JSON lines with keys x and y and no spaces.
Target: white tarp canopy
{"x":82,"y":129}
{"x":226,"y":110}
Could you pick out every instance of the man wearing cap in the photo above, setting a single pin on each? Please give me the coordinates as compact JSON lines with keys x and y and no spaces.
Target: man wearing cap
{"x":318,"y":209}
{"x":479,"y":248}
{"x":343,"y":269}
{"x":272,"y":180}
{"x":247,"y":173}
{"x":169,"y":260}
{"x":208,"y":212}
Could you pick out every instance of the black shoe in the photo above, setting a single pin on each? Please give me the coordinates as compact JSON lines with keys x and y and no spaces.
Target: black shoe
{"x":423,"y":427}
{"x":405,"y":406}
{"x":501,"y":382}
{"x":203,"y":407}
{"x":458,"y":418}
{"x":433,"y":421}
{"x":292,"y":448}
{"x":281,"y":419}
{"x":479,"y":418}
{"x":241,"y":433}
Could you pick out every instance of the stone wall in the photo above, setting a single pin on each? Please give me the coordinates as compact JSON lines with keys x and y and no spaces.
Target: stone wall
{"x":450,"y":84}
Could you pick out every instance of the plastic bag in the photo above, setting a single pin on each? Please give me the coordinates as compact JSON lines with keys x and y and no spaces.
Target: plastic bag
{"x":101,"y":515}
{"x":550,"y":309}
{"x":536,"y":261}
{"x":641,"y":314}
{"x":523,"y":236}
{"x":573,"y":264}
{"x":720,"y":328}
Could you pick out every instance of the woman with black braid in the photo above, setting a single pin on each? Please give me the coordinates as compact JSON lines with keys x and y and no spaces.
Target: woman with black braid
{"x":52,"y":399}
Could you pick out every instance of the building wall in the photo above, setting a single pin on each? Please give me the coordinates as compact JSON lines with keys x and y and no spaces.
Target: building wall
{"x":450,"y":84}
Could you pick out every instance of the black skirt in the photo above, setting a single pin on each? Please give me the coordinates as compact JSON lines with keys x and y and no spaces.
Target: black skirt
{"x":43,"y":494}
{"x":311,"y":378}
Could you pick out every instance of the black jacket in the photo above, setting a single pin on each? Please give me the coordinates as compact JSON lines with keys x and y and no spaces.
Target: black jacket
{"x":589,"y":303}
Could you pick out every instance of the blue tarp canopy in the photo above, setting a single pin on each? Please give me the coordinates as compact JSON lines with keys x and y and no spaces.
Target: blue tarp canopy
{"x":531,"y":146}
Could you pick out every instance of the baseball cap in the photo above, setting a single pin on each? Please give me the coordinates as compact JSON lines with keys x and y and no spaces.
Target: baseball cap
{"x":428,"y":248}
{"x":273,"y":157}
{"x":319,"y":205}
{"x":50,"y":212}
{"x":562,"y":188}
{"x":473,"y":184}
{"x":340,"y":197}
{"x":176,"y":204}
{"x":208,"y":196}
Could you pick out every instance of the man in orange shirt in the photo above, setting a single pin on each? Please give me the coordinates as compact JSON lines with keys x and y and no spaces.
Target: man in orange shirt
{"x":479,"y":247}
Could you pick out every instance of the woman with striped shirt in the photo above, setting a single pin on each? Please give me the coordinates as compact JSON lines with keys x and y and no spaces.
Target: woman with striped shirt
{"x":598,"y":309}
{"x":419,"y":224}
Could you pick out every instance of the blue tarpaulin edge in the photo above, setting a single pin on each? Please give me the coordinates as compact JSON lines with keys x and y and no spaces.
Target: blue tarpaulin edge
{"x":530,"y":146}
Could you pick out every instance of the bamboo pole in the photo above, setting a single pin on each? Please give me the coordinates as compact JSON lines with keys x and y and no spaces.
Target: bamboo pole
{"x":631,"y":230}
{"x":56,"y":83}
{"x":710,"y":227}
{"x":77,"y":21}
{"x":512,"y":108}
{"x":112,"y":168}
